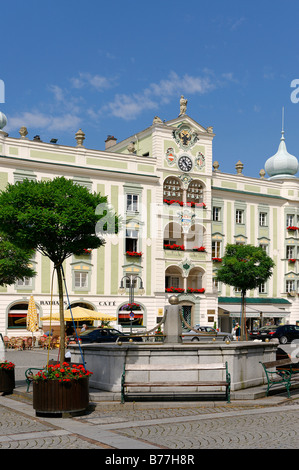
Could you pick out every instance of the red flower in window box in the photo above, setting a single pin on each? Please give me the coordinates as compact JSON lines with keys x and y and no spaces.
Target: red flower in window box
{"x":291,"y":227}
{"x":87,"y":251}
{"x":199,"y":248}
{"x":133,"y":253}
{"x":131,"y":306}
{"x":174,"y":247}
{"x":173,"y":201}
{"x":190,"y":290}
{"x":217,"y":260}
{"x":292,"y":260}
{"x":177,"y":290}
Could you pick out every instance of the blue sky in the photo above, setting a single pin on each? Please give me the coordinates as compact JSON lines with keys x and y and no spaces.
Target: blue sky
{"x":110,"y":67}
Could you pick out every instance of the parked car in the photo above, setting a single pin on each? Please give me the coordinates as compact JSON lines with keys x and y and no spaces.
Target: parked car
{"x":262,"y":333}
{"x":205,"y":333}
{"x":286,"y":333}
{"x":105,"y":335}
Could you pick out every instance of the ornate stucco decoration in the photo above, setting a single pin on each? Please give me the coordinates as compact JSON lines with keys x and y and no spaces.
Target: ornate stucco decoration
{"x":186,"y":265}
{"x":185,"y":179}
{"x":184,"y":136}
{"x":187,"y":219}
{"x":200,"y":161}
{"x":170,"y":156}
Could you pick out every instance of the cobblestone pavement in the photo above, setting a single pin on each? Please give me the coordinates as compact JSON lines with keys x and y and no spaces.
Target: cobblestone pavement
{"x":271,"y":423}
{"x":252,"y":426}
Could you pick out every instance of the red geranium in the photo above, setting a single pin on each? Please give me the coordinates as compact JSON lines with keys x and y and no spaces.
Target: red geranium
{"x":63,"y":374}
{"x":7,"y":365}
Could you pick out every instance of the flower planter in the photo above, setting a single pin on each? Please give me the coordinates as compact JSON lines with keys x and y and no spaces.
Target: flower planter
{"x":7,"y":380}
{"x":53,"y":396}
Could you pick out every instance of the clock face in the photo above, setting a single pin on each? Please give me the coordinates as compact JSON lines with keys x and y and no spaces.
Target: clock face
{"x":185,"y":163}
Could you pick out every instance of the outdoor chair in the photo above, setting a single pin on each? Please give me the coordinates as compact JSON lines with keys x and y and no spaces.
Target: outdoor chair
{"x":28,"y":343}
{"x":7,"y":342}
{"x":19,"y":344}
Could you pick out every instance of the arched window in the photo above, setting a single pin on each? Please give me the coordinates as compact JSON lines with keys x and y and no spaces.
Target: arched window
{"x":195,"y":192}
{"x":172,"y":189}
{"x":17,"y":315}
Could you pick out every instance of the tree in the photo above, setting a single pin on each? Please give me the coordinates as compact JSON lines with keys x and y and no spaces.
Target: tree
{"x":56,"y":218}
{"x":14,"y":262}
{"x":244,"y":267}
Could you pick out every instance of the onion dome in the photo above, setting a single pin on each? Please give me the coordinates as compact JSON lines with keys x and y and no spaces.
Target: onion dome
{"x":282,"y":164}
{"x":3,"y":120}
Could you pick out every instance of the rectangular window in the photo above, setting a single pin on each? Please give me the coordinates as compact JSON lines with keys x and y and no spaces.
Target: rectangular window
{"x":216,"y":249}
{"x":289,"y":252}
{"x":264,"y":246}
{"x":216,"y":284}
{"x":263,"y":219}
{"x":25,"y":282}
{"x":81,"y":279}
{"x":131,"y":240}
{"x":290,"y":286}
{"x":134,"y":283}
{"x":132,"y":203}
{"x":239,"y":216}
{"x":290,"y":220}
{"x":262,"y":288}
{"x":216,"y":214}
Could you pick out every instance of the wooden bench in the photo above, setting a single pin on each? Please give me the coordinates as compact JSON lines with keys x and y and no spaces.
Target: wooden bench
{"x":29,"y":373}
{"x":284,"y":373}
{"x":177,"y":383}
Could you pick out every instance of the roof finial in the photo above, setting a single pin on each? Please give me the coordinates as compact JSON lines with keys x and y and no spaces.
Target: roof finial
{"x":282,"y":124}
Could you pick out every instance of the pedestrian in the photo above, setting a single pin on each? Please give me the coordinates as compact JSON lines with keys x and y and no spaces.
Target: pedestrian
{"x":237,"y":330}
{"x":83,"y":328}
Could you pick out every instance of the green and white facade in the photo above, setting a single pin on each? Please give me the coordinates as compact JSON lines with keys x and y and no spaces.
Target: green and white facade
{"x":142,"y":177}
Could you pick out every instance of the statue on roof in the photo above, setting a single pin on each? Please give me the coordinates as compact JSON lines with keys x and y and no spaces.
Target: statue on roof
{"x":183,"y":105}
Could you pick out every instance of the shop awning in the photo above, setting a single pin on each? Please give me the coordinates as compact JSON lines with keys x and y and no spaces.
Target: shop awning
{"x":127,"y":315}
{"x":267,"y":311}
{"x":272,"y":311}
{"x":235,"y":310}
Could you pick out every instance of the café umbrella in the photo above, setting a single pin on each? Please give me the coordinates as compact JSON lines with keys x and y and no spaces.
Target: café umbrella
{"x":32,"y":319}
{"x":80,"y":314}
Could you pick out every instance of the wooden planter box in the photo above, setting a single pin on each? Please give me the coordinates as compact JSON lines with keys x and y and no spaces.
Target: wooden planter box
{"x":52,"y":396}
{"x":7,"y":380}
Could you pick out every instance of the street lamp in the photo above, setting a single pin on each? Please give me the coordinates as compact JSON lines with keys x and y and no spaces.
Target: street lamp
{"x":131,"y":278}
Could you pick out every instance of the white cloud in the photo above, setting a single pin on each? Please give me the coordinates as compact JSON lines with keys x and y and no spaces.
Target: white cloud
{"x":97,"y":82}
{"x":130,"y":106}
{"x":38,"y":120}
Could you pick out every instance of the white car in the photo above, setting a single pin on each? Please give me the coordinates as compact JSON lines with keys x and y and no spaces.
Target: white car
{"x":205,"y":333}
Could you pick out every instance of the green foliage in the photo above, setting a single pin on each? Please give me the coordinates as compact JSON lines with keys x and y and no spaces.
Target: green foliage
{"x":244,"y":267}
{"x":14,"y":263}
{"x":56,"y":217}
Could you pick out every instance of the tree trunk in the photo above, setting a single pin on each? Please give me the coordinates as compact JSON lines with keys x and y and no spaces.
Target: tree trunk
{"x":61,"y":314}
{"x":243,"y":319}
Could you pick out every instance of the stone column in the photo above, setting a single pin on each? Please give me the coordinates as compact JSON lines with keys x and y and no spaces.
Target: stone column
{"x":173,"y":322}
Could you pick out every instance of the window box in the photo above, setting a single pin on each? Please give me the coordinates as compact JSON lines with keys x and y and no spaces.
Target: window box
{"x":190,"y":290}
{"x":292,"y":260}
{"x":217,"y":260}
{"x":291,"y":227}
{"x":131,"y":306}
{"x":199,"y":248}
{"x":177,"y":290}
{"x":196,"y":204}
{"x":174,"y":247}
{"x":173,"y":201}
{"x":134,"y":253}
{"x":188,"y":204}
